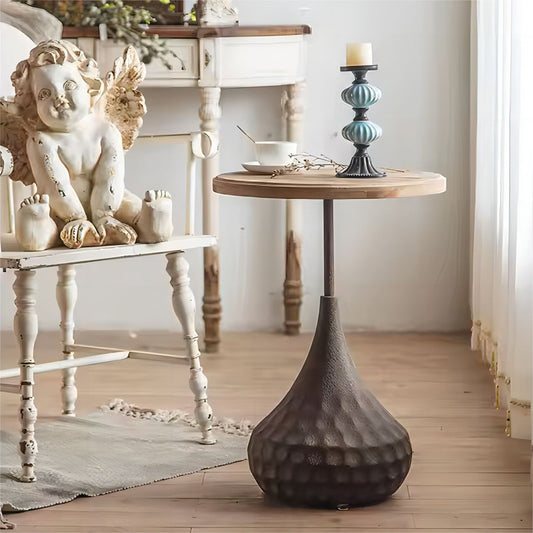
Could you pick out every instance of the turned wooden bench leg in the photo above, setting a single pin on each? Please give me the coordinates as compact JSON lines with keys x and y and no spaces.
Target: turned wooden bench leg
{"x":66,"y":295}
{"x":209,"y":113}
{"x":185,"y":307}
{"x":26,"y":328}
{"x":292,"y":109}
{"x":212,"y":308}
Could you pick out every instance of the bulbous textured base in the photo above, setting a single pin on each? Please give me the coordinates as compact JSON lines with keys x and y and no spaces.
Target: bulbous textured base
{"x":361,"y":166}
{"x":329,"y":442}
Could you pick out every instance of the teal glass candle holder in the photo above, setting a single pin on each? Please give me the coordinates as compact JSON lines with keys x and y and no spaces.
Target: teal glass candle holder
{"x":361,"y":132}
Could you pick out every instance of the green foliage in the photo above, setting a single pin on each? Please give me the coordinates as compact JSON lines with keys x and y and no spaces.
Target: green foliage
{"x":125,"y":23}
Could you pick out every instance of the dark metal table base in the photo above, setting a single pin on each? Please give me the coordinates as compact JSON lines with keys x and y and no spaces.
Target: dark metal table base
{"x":329,"y":442}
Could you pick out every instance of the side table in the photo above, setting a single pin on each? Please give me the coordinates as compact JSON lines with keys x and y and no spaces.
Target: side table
{"x":329,"y":442}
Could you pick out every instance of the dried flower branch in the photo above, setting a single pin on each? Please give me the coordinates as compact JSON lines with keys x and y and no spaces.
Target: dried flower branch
{"x":306,"y":161}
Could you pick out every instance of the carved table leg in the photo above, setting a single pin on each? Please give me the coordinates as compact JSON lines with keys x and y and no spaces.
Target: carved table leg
{"x":292,"y":113}
{"x":212,"y":311}
{"x":26,"y":328}
{"x":292,"y":287}
{"x":66,"y":295}
{"x":185,"y":307}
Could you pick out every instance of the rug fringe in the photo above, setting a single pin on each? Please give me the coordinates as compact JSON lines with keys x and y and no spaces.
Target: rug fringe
{"x":227,"y":425}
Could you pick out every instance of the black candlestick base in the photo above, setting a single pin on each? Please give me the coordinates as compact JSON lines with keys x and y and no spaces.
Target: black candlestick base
{"x":329,"y":442}
{"x":361,"y":166}
{"x":361,"y":132}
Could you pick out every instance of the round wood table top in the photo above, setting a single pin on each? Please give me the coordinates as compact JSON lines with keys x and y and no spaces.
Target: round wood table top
{"x":323,"y":184}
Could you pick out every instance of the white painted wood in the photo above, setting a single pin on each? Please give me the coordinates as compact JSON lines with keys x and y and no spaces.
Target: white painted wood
{"x":61,"y":256}
{"x":163,"y":139}
{"x":190,"y":193}
{"x":209,"y":59}
{"x":204,"y":145}
{"x":292,"y":109}
{"x":136,"y":354}
{"x":211,"y":63}
{"x":294,"y":218}
{"x":6,"y":168}
{"x":184,"y":307}
{"x":195,"y":138}
{"x":184,"y":68}
{"x":67,"y":295}
{"x":159,"y":357}
{"x":87,"y":44}
{"x":10,"y":206}
{"x":292,"y":106}
{"x":200,"y":145}
{"x":26,"y":327}
{"x":217,"y":61}
{"x":210,"y":113}
{"x":6,"y":161}
{"x":69,"y":363}
{"x":255,"y":61}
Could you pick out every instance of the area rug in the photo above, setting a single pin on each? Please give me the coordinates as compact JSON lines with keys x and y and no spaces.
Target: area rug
{"x":107,"y":451}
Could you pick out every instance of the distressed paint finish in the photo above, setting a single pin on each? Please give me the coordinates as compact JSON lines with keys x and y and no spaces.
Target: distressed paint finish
{"x":26,"y":328}
{"x":185,"y":307}
{"x":210,"y":113}
{"x":212,"y":309}
{"x":292,"y":114}
{"x":292,"y":287}
{"x":66,"y":295}
{"x":76,"y":151}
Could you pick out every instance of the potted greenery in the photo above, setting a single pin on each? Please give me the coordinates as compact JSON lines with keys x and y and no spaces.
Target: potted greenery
{"x":124,"y":20}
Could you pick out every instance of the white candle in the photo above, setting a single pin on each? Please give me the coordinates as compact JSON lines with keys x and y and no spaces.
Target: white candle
{"x":358,"y":54}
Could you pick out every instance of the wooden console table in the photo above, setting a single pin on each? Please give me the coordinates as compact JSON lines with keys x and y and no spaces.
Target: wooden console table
{"x":212,"y":58}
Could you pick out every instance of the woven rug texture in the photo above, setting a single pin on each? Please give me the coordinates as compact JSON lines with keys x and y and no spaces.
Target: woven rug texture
{"x":107,"y":451}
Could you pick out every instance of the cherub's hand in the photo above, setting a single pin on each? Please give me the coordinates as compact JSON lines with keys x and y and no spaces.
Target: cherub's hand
{"x":78,"y":233}
{"x":112,"y":231}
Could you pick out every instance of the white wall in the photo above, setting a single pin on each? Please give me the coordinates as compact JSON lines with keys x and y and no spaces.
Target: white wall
{"x":401,"y":264}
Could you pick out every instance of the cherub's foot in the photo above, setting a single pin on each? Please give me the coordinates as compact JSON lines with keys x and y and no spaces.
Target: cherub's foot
{"x":35,"y":229}
{"x":78,"y":233}
{"x":155,"y":220}
{"x":112,"y":231}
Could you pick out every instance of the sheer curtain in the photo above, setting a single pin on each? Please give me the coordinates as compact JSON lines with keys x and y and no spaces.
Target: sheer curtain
{"x":502,"y":275}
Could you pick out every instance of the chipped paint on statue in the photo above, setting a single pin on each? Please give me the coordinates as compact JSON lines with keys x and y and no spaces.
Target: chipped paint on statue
{"x":68,"y":130}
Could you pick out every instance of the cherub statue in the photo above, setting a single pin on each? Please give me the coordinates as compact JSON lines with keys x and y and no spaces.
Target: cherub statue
{"x":68,"y":130}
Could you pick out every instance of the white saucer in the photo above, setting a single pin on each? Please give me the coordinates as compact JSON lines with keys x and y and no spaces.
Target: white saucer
{"x":255,"y":167}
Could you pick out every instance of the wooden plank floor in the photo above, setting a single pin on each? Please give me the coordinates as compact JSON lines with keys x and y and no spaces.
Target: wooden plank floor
{"x":466,"y":475}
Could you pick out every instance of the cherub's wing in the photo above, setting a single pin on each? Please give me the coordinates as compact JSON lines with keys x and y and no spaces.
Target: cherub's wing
{"x":13,"y":135}
{"x":124,"y":104}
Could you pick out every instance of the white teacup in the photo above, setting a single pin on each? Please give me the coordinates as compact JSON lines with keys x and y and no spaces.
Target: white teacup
{"x":273,"y":153}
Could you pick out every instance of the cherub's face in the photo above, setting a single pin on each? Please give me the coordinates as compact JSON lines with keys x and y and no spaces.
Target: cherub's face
{"x":61,"y":94}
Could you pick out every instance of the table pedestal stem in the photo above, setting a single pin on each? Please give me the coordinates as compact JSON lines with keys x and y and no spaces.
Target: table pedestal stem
{"x":329,"y":255}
